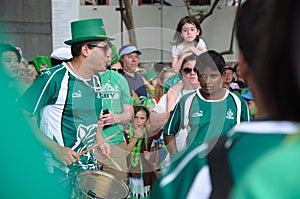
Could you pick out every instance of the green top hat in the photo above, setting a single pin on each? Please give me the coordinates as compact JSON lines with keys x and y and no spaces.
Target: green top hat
{"x":87,"y":30}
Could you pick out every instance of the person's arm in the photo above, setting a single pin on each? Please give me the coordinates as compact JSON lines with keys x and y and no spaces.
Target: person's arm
{"x":157,"y":121}
{"x":64,"y":154}
{"x":177,"y":62}
{"x":113,"y":118}
{"x":171,"y":144}
{"x":104,"y":148}
{"x":197,"y":51}
{"x":171,"y":129}
{"x":172,"y":94}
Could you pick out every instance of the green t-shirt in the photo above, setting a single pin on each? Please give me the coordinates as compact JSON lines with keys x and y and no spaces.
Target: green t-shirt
{"x":114,"y":94}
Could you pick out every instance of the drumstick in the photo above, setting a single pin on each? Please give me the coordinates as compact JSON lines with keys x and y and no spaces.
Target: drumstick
{"x":114,"y":162}
{"x":98,"y":144}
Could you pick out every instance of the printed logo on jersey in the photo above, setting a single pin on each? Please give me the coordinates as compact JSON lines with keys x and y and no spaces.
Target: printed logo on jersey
{"x":86,"y":136}
{"x":77,"y":94}
{"x":198,"y":114}
{"x":229,"y":115}
{"x":110,"y":93}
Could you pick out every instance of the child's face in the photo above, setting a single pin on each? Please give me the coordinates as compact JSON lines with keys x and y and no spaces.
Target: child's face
{"x":140,"y":119}
{"x":189,"y":32}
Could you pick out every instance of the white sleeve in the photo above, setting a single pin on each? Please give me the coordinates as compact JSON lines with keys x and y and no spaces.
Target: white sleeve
{"x":201,"y":44}
{"x":161,"y":106}
{"x":175,"y":51}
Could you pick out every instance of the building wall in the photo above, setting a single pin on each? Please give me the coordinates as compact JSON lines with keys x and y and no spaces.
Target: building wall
{"x":147,"y":20}
{"x":27,"y":24}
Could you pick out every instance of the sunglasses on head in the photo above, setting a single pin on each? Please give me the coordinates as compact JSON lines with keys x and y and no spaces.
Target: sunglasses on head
{"x":119,"y":70}
{"x":189,"y":70}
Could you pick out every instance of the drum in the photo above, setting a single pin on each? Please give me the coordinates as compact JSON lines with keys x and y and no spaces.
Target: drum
{"x":98,"y":184}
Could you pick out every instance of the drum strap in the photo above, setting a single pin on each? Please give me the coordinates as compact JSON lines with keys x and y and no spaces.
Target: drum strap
{"x":221,"y":177}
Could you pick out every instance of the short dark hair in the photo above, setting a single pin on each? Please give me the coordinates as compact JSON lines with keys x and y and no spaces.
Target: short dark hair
{"x":211,"y":59}
{"x":4,"y":47}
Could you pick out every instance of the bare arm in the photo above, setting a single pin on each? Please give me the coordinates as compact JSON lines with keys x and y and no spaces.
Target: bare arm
{"x":172,"y":94}
{"x":113,"y":118}
{"x":170,"y":143}
{"x":157,"y":121}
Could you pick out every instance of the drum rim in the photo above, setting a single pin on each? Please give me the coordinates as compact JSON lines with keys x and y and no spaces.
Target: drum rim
{"x":124,"y":185}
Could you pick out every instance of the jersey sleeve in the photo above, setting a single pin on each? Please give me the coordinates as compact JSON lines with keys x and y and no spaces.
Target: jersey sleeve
{"x":245,"y":115}
{"x":175,"y":51}
{"x":39,"y":94}
{"x":174,"y":122}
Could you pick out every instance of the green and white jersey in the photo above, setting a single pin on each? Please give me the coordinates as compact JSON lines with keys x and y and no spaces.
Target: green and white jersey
{"x":68,"y":109}
{"x":248,"y":142}
{"x":114,"y":95}
{"x":206,"y":119}
{"x":276,"y":173}
{"x":264,"y":135}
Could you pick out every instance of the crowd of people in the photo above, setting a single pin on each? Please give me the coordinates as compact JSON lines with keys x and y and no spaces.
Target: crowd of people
{"x":197,"y":128}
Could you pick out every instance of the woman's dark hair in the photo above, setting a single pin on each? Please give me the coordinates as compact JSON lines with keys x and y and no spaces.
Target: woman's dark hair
{"x":187,"y":19}
{"x":4,"y":47}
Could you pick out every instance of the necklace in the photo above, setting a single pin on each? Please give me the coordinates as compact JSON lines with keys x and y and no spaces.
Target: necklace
{"x":96,"y":81}
{"x":136,"y":151}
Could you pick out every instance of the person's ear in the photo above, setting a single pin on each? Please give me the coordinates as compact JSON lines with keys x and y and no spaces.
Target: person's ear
{"x":244,"y":66}
{"x":85,"y":50}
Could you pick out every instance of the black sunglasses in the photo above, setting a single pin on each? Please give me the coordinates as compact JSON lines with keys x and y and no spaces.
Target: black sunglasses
{"x":104,"y":47}
{"x":119,"y":70}
{"x":189,"y":70}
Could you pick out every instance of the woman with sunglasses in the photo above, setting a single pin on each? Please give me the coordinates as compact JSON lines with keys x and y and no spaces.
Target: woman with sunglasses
{"x":188,"y":84}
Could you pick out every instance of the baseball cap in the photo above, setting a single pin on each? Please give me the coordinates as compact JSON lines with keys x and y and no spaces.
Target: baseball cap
{"x":246,"y":93}
{"x":129,"y":50}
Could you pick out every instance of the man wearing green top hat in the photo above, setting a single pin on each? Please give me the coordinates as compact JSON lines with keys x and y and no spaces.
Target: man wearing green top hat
{"x":66,"y":100}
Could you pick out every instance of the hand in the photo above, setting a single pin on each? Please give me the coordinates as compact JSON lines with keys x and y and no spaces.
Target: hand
{"x":66,"y":155}
{"x":106,"y":119}
{"x":147,"y":155}
{"x":186,"y":51}
{"x":104,"y":149}
{"x":138,"y":133}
